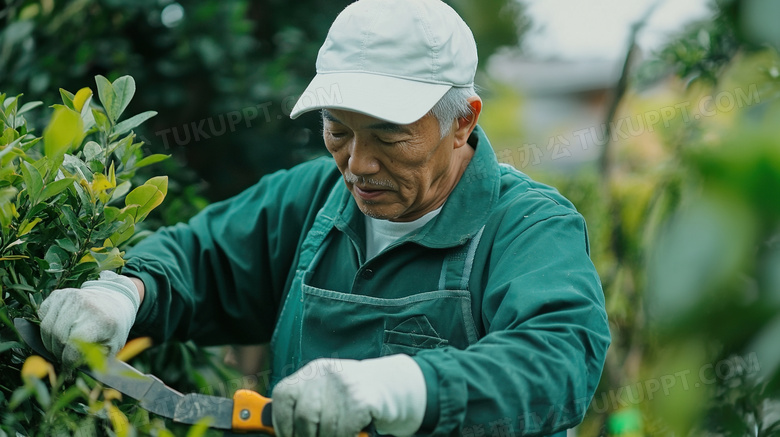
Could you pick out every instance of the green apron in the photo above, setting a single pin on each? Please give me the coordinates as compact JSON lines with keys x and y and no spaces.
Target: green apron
{"x":316,"y":323}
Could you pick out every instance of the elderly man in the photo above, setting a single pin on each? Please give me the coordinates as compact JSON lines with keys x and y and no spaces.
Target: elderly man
{"x":409,"y":282}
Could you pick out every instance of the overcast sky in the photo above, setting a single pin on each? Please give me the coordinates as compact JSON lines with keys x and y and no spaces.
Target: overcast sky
{"x":577,"y":29}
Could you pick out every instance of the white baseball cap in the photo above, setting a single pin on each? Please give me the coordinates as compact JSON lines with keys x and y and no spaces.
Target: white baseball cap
{"x":391,"y":59}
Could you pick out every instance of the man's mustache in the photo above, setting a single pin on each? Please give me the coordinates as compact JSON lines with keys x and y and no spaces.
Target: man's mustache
{"x":364,"y":181}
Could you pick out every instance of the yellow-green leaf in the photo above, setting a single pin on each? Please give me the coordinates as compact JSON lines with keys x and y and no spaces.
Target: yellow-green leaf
{"x":119,"y":421}
{"x":147,"y":197}
{"x":13,"y":257}
{"x":133,"y":348}
{"x":64,"y":130}
{"x":93,"y":353}
{"x":81,"y":97}
{"x":27,"y":227}
{"x":112,"y":175}
{"x":108,"y":260}
{"x":151,"y":159}
{"x":161,"y":182}
{"x":200,"y":428}
{"x":88,"y":258}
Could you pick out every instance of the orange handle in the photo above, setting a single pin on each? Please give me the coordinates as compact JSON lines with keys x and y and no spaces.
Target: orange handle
{"x":252,"y":412}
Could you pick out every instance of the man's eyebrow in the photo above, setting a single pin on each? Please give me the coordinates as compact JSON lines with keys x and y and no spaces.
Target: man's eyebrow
{"x":328,"y":116}
{"x":390,"y":127}
{"x":382,"y":125}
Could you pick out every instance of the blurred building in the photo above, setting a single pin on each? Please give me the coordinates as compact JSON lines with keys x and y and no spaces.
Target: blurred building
{"x":563,"y":110}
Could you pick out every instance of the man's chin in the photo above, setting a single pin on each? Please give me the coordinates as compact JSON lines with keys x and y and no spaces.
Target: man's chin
{"x":377,"y":210}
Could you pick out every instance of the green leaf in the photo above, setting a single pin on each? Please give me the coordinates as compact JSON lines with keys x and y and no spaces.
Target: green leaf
{"x":9,"y":136}
{"x":28,"y":145}
{"x":122,"y":234}
{"x":77,"y":168}
{"x":108,"y":260}
{"x":42,"y":394}
{"x":28,"y":106}
{"x":20,"y":395}
{"x":92,"y":150}
{"x":9,"y":148}
{"x":151,"y":159}
{"x":67,"y":245}
{"x":56,"y":187}
{"x":32,"y":180}
{"x":57,"y":258}
{"x":10,"y":105}
{"x":111,"y":213}
{"x":101,"y":121}
{"x":7,"y":345}
{"x":124,"y":90}
{"x":121,"y":190}
{"x":87,"y":205}
{"x":73,"y":221}
{"x":67,"y":98}
{"x":67,"y":397}
{"x":131,"y":123}
{"x":107,"y":96}
{"x":122,"y":149}
{"x":64,"y":130}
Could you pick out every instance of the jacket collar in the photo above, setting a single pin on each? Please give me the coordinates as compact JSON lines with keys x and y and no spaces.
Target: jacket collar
{"x":465,"y":211}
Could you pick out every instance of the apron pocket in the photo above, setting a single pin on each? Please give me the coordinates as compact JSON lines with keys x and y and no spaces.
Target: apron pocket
{"x":396,"y":342}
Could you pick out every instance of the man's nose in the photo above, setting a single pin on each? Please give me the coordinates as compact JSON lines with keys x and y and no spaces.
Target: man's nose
{"x":362,"y":161}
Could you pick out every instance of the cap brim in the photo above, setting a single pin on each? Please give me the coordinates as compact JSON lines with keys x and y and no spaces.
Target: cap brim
{"x":399,"y":101}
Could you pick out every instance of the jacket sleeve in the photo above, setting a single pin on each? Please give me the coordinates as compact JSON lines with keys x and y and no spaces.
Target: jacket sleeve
{"x":219,"y":278}
{"x":537,"y":366}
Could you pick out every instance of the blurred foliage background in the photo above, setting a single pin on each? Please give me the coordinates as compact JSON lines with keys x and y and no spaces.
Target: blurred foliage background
{"x":683,"y":216}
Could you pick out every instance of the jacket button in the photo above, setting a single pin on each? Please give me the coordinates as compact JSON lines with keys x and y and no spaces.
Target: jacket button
{"x":367,"y":274}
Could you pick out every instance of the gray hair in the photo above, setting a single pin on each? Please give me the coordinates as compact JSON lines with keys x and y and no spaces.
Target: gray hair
{"x":452,"y":106}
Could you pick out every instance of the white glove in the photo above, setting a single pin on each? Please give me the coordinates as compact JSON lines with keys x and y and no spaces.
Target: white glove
{"x":331,"y":397}
{"x":101,"y":311}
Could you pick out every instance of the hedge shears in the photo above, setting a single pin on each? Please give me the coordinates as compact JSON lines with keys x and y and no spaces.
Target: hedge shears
{"x":246,"y":411}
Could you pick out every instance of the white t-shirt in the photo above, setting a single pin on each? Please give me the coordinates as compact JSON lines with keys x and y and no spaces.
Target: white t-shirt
{"x":382,"y":233}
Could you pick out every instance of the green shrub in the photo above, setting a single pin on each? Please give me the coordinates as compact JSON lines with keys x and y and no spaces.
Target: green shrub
{"x":68,"y":210}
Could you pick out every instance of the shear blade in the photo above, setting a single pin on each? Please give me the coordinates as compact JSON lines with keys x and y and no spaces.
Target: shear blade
{"x":193,"y":407}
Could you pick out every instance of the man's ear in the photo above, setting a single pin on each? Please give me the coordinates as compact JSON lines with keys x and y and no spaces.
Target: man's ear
{"x":466,"y":125}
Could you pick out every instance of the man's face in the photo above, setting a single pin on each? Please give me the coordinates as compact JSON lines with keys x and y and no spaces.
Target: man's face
{"x":394,"y":172}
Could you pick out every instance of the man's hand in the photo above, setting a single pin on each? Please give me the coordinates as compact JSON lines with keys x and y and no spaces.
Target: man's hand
{"x":331,"y":397}
{"x":101,"y":311}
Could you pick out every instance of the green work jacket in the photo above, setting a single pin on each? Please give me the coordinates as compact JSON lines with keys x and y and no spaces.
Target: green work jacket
{"x":518,"y":347}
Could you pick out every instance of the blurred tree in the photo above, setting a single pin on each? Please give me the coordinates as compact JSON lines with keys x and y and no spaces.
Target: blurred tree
{"x":686,"y":244}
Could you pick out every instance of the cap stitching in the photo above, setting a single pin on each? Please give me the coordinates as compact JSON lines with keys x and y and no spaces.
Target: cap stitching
{"x":364,"y":41}
{"x":431,"y":40}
